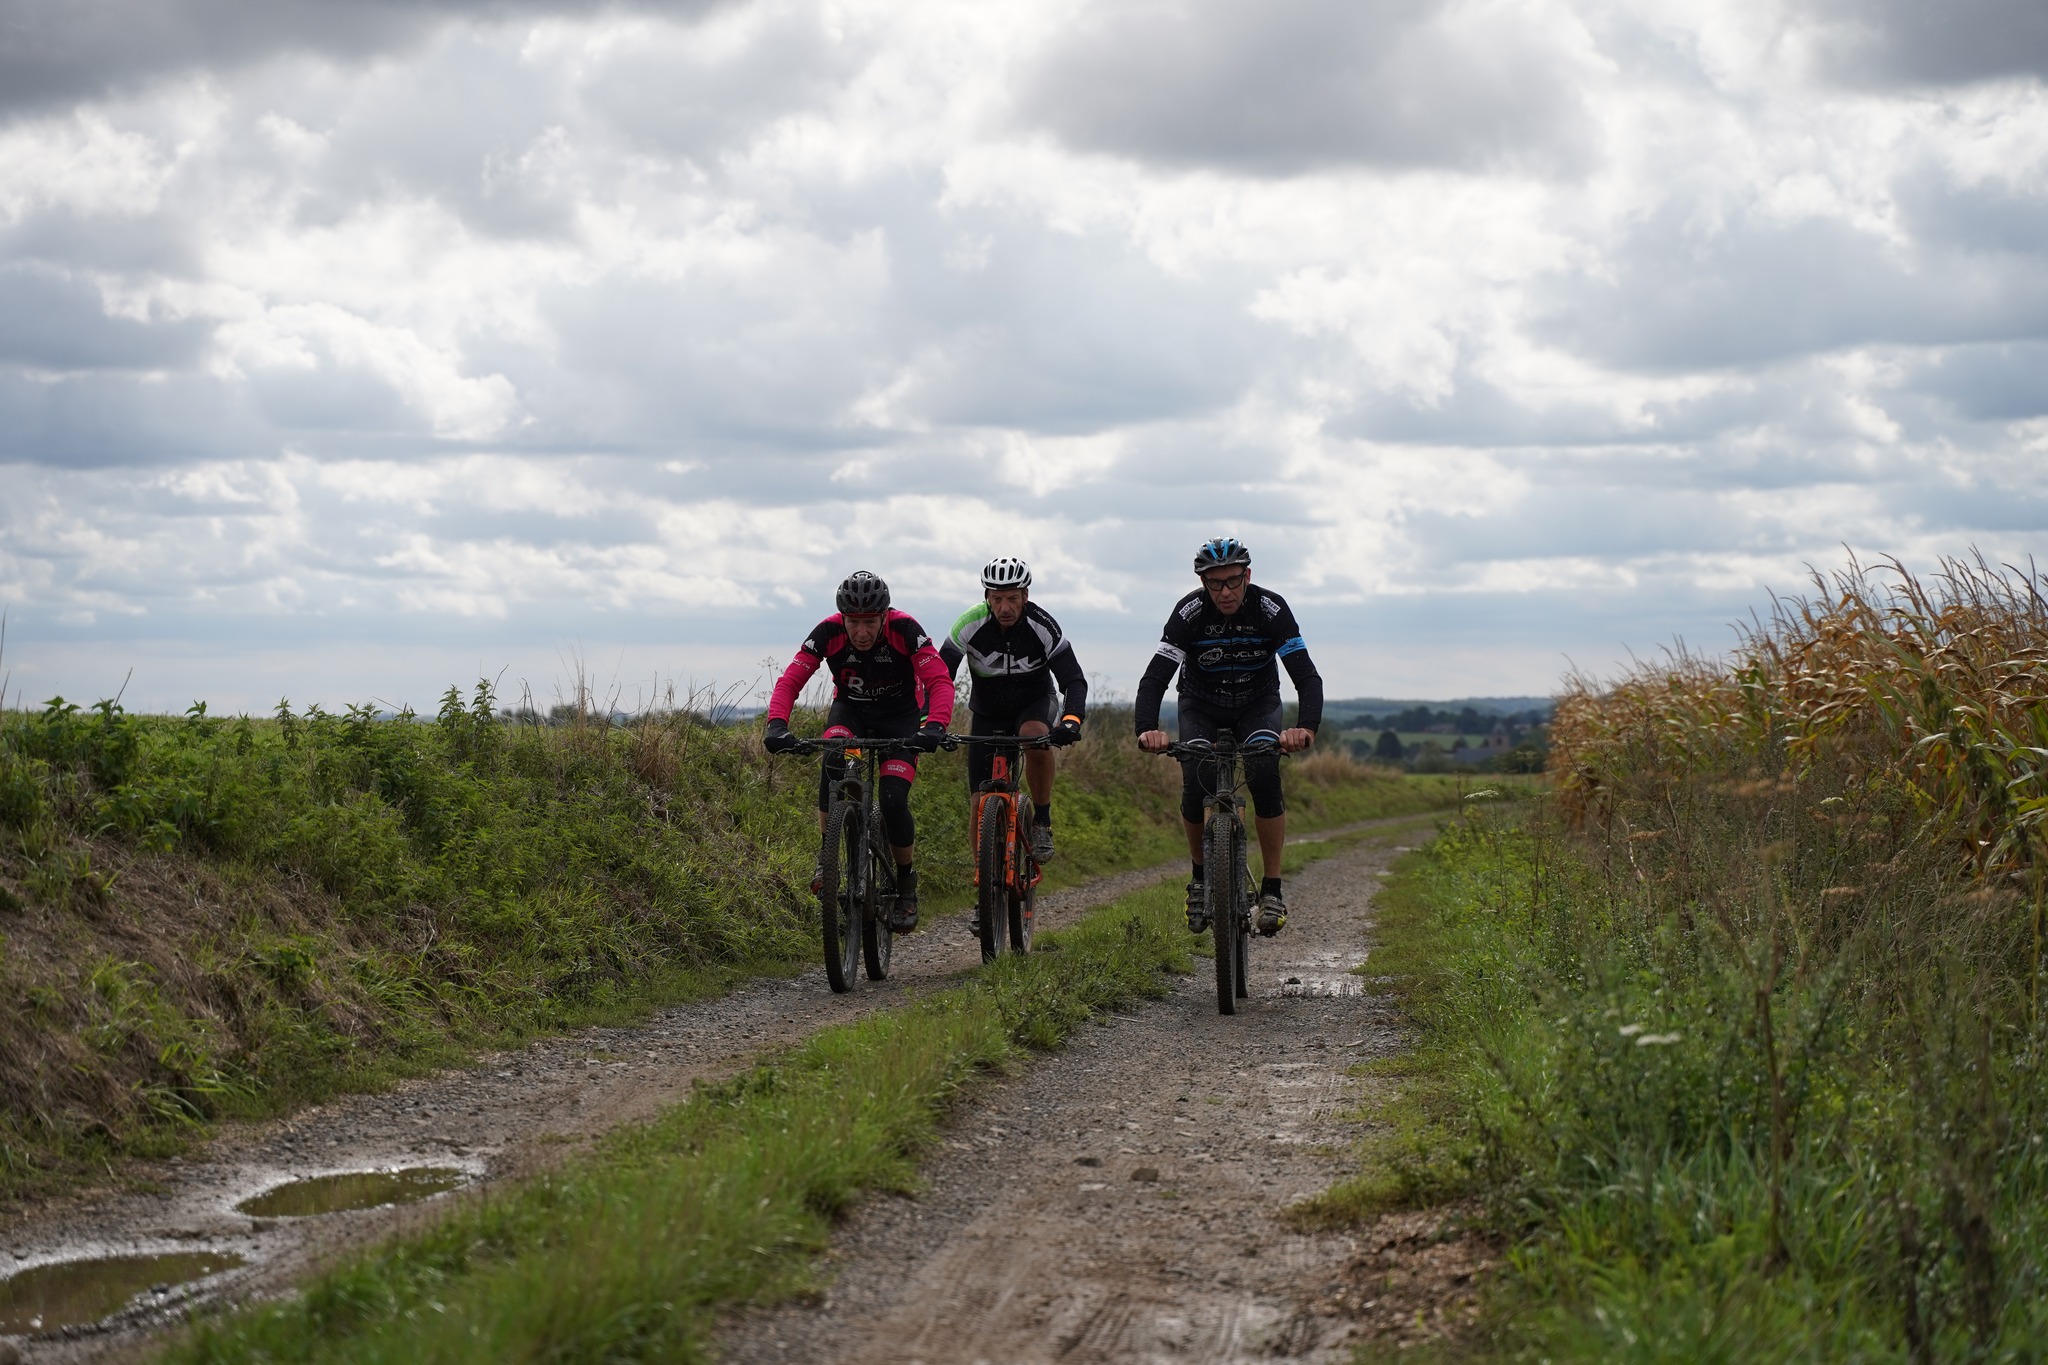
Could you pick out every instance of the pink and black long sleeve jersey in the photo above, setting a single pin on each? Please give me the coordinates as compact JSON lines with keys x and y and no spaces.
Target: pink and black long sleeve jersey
{"x":901,"y":670}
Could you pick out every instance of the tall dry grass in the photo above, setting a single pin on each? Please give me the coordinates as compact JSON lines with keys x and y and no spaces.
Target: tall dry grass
{"x":1938,"y":687}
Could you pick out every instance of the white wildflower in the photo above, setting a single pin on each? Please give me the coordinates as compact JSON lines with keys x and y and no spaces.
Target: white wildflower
{"x":1659,"y":1039}
{"x":1631,"y":1030}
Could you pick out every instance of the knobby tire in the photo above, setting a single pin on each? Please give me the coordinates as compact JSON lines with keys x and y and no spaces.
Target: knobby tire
{"x":840,"y":894}
{"x":1222,"y":886}
{"x":991,"y":914}
{"x":876,"y":937}
{"x":1240,"y":863}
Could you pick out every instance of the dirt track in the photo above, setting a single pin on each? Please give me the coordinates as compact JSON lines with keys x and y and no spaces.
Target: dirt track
{"x":1157,"y":1088}
{"x":1120,"y":1202}
{"x":507,"y":1115}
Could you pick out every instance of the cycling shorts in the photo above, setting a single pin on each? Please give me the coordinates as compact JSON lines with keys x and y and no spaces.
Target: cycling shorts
{"x":1261,"y":771}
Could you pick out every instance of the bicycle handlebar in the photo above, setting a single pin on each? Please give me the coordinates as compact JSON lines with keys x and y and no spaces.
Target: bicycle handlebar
{"x":880,"y":746}
{"x":1015,"y":741}
{"x":1263,"y":742}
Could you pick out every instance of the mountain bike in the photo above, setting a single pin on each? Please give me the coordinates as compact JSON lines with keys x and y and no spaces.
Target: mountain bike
{"x":857,"y":892}
{"x":1227,"y":885}
{"x":1005,"y":874}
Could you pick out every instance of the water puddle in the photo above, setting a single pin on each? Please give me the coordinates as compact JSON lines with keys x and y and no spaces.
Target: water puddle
{"x":352,"y":1190}
{"x":70,"y":1293}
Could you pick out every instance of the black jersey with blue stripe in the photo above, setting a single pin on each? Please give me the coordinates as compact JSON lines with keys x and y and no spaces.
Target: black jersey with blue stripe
{"x":1225,"y":662}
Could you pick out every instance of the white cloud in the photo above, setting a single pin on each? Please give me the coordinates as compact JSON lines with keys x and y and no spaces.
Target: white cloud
{"x":1503,"y":329}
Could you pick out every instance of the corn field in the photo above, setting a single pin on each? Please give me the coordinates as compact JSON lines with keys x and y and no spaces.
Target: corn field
{"x":1938,"y":688}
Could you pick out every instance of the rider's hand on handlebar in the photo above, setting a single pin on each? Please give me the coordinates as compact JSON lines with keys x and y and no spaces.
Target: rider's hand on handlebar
{"x":779,"y":740}
{"x":930,"y":736}
{"x":1295,"y":740}
{"x":1153,"y":741}
{"x":1068,"y":731}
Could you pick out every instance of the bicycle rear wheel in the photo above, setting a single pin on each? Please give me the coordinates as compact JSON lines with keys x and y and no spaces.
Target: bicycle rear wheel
{"x":876,"y":937}
{"x":991,"y":911}
{"x":1222,"y":886}
{"x":840,"y":894}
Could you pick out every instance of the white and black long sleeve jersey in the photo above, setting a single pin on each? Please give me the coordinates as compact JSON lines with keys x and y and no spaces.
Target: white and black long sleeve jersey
{"x":1015,"y":667}
{"x":1226,"y":662}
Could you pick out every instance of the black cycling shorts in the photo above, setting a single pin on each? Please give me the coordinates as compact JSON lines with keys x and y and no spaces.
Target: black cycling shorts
{"x":1261,"y":771}
{"x":898,"y":770}
{"x":981,"y":758}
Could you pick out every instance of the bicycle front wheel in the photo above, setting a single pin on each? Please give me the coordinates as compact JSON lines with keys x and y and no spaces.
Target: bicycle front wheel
{"x":1246,"y":899}
{"x":991,"y":914}
{"x":841,"y":893}
{"x":876,"y":937}
{"x":1223,"y":886}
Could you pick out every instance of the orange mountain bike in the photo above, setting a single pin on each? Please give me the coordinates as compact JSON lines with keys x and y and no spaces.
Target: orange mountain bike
{"x":1005,"y":874}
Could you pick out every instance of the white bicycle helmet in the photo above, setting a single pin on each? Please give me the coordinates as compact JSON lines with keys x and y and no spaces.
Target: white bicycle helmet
{"x":1006,"y":571}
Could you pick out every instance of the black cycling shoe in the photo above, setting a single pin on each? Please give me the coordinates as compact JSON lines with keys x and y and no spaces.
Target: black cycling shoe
{"x":1041,"y":844}
{"x":1272,"y":914}
{"x":903,"y":919}
{"x":1198,"y":908}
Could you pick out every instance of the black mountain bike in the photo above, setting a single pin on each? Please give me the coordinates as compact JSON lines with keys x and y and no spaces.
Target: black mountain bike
{"x":857,"y":893}
{"x":1227,"y":875}
{"x":1005,"y":874}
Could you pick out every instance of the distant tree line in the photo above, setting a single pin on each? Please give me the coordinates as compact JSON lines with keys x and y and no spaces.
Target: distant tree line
{"x":1468,"y":720}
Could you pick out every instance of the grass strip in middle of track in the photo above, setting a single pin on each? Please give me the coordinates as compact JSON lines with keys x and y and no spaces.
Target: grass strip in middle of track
{"x":630,"y":1253}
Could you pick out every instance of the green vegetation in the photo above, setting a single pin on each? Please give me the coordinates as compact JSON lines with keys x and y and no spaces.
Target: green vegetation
{"x":1739,"y":1041}
{"x":203,"y":916}
{"x":628,"y":1254}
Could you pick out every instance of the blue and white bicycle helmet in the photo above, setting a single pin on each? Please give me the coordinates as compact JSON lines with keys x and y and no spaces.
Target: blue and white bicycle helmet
{"x":1221,"y":553}
{"x":862,"y":594}
{"x":1006,"y":571}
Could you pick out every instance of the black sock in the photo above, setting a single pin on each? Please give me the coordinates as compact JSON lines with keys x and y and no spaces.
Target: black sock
{"x":1043,"y":815}
{"x":906,"y":877}
{"x":1269,"y":886}
{"x":1198,"y":872}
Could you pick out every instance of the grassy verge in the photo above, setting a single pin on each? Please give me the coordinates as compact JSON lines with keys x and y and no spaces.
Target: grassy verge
{"x":204,"y":917}
{"x":1739,"y":1042}
{"x":630,"y":1253}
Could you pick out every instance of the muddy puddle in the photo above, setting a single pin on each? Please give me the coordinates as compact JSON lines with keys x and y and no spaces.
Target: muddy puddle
{"x":62,"y":1294}
{"x":350,"y":1190}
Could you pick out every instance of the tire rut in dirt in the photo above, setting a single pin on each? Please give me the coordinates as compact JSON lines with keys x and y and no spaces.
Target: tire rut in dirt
{"x":1118,"y":1202}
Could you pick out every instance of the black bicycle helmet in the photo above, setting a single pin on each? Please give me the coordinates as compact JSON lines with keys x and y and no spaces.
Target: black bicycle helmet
{"x":1221,"y":553}
{"x":862,"y":594}
{"x":1006,"y":571}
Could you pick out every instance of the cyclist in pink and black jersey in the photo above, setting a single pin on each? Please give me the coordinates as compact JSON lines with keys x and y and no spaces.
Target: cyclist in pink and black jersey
{"x":881,"y":661}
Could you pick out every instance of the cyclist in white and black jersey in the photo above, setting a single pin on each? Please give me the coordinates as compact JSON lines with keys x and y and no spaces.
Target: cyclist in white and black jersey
{"x":1228,"y":640}
{"x":1026,"y":683}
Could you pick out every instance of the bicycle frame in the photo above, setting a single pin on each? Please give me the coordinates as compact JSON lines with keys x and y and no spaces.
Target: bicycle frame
{"x":1227,"y":882}
{"x":855,"y":908}
{"x":1005,"y":874}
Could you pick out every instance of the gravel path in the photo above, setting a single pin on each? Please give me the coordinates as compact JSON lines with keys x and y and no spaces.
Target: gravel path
{"x":1119,"y":1202}
{"x":517,"y":1112}
{"x":510,"y":1114}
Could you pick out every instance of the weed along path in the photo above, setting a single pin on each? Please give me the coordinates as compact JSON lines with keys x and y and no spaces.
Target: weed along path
{"x":1122,"y":1200}
{"x":512,"y":1114}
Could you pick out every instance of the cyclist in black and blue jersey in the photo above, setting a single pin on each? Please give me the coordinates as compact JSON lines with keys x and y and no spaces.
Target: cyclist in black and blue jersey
{"x":1227,"y":639}
{"x":1026,"y":683}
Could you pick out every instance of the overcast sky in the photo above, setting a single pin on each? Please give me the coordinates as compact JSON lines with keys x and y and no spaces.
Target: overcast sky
{"x":350,"y":350}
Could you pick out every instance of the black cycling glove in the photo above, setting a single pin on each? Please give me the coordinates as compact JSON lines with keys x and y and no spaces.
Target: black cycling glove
{"x":778,"y":740}
{"x":1068,"y":731}
{"x":930,"y":736}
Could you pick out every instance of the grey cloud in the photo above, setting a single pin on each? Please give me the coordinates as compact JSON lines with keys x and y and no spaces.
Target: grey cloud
{"x":1756,"y":292}
{"x":104,"y":419}
{"x":1997,"y":383}
{"x":54,"y":52}
{"x":1294,"y":85}
{"x":1915,"y":42}
{"x":53,"y":321}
